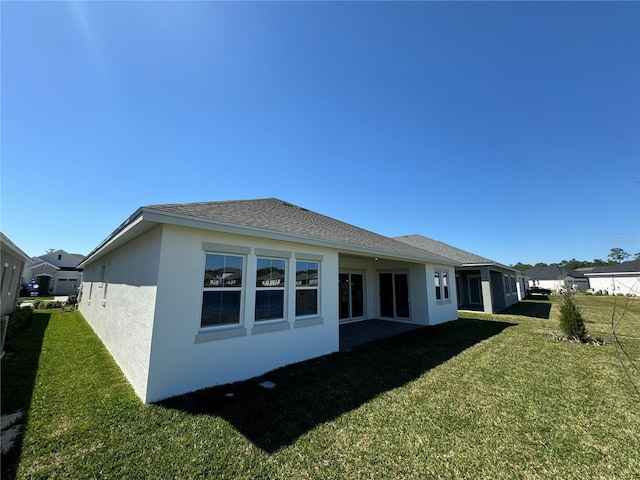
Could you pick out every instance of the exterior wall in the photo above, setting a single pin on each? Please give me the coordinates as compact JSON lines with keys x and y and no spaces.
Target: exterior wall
{"x":118,"y":300}
{"x":498,"y":297}
{"x":487,"y":291}
{"x":553,"y":285}
{"x":185,"y":357}
{"x":11,"y":265}
{"x":619,"y":284}
{"x":522,"y":287}
{"x":440,"y":311}
{"x":556,"y":285}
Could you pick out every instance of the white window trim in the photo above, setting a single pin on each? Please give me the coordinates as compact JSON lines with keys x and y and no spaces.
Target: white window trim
{"x":205,"y":332}
{"x":302,"y":318}
{"x":441,"y":273}
{"x":284,"y":289}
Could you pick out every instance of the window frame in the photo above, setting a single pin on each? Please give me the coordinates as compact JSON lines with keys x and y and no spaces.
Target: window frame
{"x":441,"y":278}
{"x":307,"y":288}
{"x":240,"y":288}
{"x":280,"y":288}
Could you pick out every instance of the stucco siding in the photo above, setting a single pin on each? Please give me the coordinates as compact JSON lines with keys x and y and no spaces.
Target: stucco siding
{"x":11,"y":266}
{"x":444,"y":310}
{"x":619,"y":284}
{"x":118,"y":301}
{"x":185,"y":357}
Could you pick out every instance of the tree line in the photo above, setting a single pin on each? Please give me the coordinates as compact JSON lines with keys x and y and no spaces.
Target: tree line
{"x":617,"y":255}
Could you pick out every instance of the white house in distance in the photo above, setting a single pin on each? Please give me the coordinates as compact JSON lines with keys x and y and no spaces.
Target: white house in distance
{"x":482,"y":284}
{"x":186,"y":296}
{"x":620,"y":279}
{"x":555,"y":278}
{"x":56,"y":273}
{"x":12,"y":260}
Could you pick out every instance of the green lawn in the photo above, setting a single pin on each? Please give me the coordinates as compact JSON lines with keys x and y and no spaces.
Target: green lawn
{"x":488,"y":396}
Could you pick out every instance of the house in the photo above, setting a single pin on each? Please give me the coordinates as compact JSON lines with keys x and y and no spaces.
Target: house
{"x":56,"y":272}
{"x":482,"y":284}
{"x":187,"y":296}
{"x":13,"y":260}
{"x":619,"y":279}
{"x":556,"y":278}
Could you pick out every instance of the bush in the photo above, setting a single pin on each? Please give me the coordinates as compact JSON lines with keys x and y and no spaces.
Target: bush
{"x":571,"y":320}
{"x":19,"y":320}
{"x":40,"y":304}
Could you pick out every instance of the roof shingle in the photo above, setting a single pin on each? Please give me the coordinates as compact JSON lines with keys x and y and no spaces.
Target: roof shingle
{"x":279,"y":216}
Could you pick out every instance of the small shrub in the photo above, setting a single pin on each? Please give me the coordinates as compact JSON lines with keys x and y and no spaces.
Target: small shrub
{"x":571,"y":320}
{"x":18,"y":321}
{"x":40,"y":304}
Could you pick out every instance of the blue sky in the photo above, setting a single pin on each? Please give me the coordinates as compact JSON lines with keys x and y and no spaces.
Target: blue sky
{"x":508,"y":129}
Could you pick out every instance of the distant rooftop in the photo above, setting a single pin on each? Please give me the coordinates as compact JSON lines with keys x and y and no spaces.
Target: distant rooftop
{"x":446,"y":250}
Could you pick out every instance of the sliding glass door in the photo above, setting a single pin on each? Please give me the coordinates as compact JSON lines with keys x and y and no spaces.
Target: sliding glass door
{"x":351,"y":291}
{"x":394,"y":295}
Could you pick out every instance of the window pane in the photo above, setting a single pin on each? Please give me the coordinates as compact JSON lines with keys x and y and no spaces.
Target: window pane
{"x":445,"y":284}
{"x":306,"y":302}
{"x":306,"y":274}
{"x":270,"y":273}
{"x":436,"y":278}
{"x":220,"y":307}
{"x":222,"y":271}
{"x":269,"y":304}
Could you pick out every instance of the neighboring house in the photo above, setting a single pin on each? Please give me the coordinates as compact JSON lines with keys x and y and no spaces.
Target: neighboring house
{"x":555,"y":278}
{"x":620,"y":279}
{"x":186,"y":296}
{"x":12,"y":260}
{"x":482,"y":284}
{"x":56,"y":273}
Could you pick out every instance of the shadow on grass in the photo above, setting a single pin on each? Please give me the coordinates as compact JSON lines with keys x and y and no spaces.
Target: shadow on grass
{"x":19,"y":370}
{"x":539,"y":307}
{"x":316,"y":391}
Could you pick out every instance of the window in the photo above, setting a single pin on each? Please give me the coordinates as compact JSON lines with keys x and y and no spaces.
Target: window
{"x":306,"y":288}
{"x":4,"y":274}
{"x":222,"y":289}
{"x":270,"y":285}
{"x":13,"y":271}
{"x":514,"y":288}
{"x":507,"y":285}
{"x":445,"y":285}
{"x":441,"y":280}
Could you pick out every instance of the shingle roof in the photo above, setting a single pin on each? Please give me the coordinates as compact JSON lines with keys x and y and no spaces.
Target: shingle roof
{"x":441,"y":248}
{"x":283,"y":217}
{"x":632,"y":266}
{"x":551,"y":272}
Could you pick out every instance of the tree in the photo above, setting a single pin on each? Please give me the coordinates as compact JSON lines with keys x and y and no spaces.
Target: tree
{"x":521,"y":266}
{"x":571,"y":320}
{"x":636,"y":256}
{"x":618,"y":255}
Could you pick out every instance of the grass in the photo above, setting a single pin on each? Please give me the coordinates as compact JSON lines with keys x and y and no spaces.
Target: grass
{"x":488,"y":396}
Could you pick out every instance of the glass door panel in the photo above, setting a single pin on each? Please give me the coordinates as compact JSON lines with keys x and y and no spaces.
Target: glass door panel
{"x":386,"y":295}
{"x":357,"y":295}
{"x":402,"y":295}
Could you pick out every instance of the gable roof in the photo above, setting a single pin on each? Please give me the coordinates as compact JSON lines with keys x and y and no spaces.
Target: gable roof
{"x":274,"y":218}
{"x":449,"y":251}
{"x":551,"y":272}
{"x":13,"y":248}
{"x":626,"y":267}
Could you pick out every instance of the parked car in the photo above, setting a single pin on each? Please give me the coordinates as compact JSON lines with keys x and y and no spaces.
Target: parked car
{"x":538,"y":291}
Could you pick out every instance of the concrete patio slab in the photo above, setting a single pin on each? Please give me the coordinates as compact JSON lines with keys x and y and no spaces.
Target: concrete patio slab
{"x":357,"y":333}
